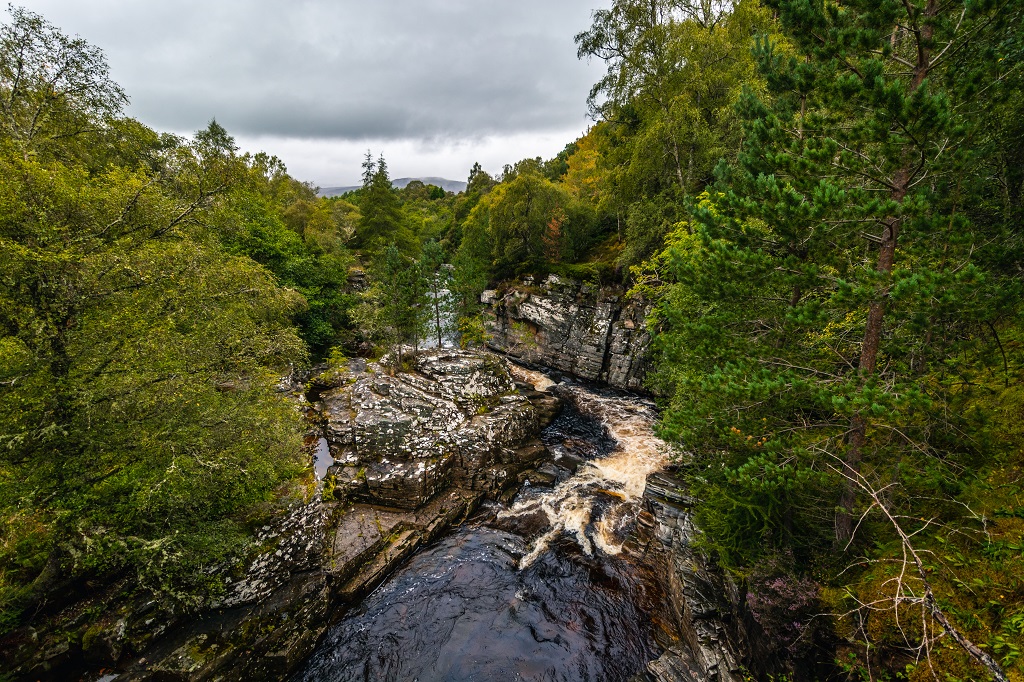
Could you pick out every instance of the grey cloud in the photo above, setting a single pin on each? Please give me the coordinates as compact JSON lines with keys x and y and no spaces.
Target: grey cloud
{"x":427,"y":69}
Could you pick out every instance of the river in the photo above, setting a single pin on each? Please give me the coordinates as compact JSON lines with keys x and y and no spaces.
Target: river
{"x":550,"y":587}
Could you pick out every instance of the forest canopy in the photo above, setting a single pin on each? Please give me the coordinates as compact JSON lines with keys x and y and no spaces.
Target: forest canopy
{"x":154,"y":291}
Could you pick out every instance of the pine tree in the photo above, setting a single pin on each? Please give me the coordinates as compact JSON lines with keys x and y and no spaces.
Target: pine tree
{"x":381,"y":221}
{"x":825,"y":313}
{"x":828,"y":262}
{"x":394,"y":309}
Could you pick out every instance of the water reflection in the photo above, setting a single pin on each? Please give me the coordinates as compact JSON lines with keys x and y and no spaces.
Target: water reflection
{"x":322,"y":459}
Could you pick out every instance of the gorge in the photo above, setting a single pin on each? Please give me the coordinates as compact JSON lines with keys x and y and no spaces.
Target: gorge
{"x":739,"y":381}
{"x":473,"y":517}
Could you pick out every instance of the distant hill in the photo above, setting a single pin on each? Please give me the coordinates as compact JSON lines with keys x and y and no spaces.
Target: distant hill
{"x":443,"y":183}
{"x":335,"y":191}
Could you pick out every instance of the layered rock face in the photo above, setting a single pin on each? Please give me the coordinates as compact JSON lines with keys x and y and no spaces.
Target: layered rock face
{"x":594,"y":333}
{"x":703,"y":602}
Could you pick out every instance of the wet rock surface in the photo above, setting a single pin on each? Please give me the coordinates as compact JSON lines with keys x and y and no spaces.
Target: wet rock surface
{"x":702,"y":601}
{"x":588,"y":574}
{"x":517,"y":593}
{"x":595,"y":333}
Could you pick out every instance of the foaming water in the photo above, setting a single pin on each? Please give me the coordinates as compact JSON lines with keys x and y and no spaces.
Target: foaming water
{"x":540,"y":381}
{"x":620,"y":475}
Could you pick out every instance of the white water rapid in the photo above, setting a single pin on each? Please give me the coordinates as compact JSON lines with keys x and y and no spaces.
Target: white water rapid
{"x":621,"y":474}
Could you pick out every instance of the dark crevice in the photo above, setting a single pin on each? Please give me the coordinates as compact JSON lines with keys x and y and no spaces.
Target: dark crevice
{"x":606,"y":361}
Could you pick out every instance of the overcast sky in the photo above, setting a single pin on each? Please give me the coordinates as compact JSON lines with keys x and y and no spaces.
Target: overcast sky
{"x":434,"y":85}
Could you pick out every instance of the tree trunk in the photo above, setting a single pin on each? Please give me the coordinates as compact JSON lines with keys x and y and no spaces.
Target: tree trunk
{"x":679,"y":165}
{"x":868,"y":361}
{"x":437,"y":314}
{"x":857,"y":433}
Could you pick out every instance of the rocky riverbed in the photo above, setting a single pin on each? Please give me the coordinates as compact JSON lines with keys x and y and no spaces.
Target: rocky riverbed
{"x":571,"y":521}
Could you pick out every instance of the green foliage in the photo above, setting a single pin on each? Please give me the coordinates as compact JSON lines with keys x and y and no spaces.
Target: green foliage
{"x":841,"y":307}
{"x":674,"y":72}
{"x":524,"y":225}
{"x":380,"y":222}
{"x":526,"y":215}
{"x":472,"y":333}
{"x":54,"y":88}
{"x":337,"y":365}
{"x":281,"y":224}
{"x":428,"y":214}
{"x":394,"y":309}
{"x":139,"y":422}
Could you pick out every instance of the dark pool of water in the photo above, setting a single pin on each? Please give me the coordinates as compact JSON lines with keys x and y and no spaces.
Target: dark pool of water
{"x":462,"y":611}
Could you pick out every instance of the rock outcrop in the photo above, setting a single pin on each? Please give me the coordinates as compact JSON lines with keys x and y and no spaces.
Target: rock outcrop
{"x":703,"y":602}
{"x":455,"y":419}
{"x":595,"y":333}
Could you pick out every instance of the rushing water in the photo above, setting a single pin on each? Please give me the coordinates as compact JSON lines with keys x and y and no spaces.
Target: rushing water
{"x":621,"y":473}
{"x":541,"y":590}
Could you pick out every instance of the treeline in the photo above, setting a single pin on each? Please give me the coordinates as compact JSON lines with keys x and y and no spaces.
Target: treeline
{"x":153,"y":291}
{"x":428,"y":254}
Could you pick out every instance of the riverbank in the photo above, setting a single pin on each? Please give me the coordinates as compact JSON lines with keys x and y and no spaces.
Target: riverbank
{"x":414,"y":452}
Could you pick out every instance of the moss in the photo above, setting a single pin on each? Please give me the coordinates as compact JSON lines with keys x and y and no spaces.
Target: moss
{"x":90,"y":635}
{"x":330,"y":488}
{"x":255,"y":628}
{"x":201,"y":649}
{"x":483,"y":404}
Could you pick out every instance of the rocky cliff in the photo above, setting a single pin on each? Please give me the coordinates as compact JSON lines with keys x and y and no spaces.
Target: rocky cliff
{"x":702,"y":602}
{"x":717,"y":638}
{"x":595,"y":333}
